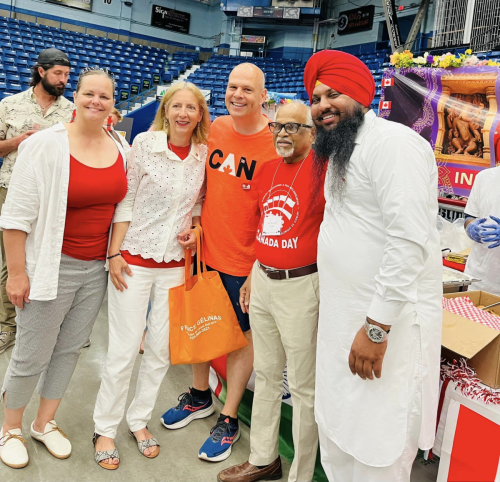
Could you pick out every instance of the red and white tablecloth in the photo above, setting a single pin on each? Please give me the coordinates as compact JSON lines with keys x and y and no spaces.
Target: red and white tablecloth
{"x":463,"y":306}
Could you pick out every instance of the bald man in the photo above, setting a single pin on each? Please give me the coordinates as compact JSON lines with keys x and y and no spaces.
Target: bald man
{"x":282,"y":297}
{"x":239,"y":146}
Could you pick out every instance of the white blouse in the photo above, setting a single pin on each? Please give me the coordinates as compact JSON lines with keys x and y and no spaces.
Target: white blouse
{"x":37,"y":202}
{"x":164,"y":193}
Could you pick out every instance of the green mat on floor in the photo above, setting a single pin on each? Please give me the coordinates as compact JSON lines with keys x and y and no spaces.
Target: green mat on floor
{"x":286,"y":441}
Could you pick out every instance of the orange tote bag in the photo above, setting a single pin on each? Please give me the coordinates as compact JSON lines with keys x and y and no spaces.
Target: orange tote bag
{"x":203,"y":324}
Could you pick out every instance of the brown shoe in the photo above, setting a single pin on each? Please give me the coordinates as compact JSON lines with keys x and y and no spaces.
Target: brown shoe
{"x":250,"y":473}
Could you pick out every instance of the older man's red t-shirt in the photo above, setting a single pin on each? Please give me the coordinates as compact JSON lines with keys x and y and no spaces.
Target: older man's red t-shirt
{"x":286,"y":194}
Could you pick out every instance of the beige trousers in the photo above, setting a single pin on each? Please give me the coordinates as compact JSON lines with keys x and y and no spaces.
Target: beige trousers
{"x":7,"y":309}
{"x":284,"y":320}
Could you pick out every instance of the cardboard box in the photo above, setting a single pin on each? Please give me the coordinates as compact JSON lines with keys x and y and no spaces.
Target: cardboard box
{"x":474,"y":341}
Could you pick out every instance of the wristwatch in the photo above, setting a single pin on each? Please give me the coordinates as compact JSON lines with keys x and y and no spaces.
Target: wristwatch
{"x":375,"y":333}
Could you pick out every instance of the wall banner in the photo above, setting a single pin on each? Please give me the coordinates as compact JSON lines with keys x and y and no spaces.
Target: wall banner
{"x":356,"y":20}
{"x":170,"y":19}
{"x":456,"y":111}
{"x":253,"y":39}
{"x":80,"y":4}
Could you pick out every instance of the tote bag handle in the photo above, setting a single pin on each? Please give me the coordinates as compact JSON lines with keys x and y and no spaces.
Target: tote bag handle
{"x":200,"y":256}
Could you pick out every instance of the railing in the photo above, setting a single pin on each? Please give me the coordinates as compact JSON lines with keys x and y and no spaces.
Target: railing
{"x":136,"y":99}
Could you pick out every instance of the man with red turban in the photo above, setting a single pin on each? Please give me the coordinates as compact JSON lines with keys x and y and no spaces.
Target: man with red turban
{"x":379,"y":263}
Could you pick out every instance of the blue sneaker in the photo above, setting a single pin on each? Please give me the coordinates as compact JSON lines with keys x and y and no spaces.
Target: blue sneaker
{"x":189,"y":408}
{"x":217,"y":447}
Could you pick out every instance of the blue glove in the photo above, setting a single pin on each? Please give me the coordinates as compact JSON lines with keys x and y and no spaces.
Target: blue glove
{"x":473,"y":230}
{"x":490,"y":233}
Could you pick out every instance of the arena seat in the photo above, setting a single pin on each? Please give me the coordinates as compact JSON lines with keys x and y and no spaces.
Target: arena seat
{"x":139,"y":67}
{"x":135,"y":66}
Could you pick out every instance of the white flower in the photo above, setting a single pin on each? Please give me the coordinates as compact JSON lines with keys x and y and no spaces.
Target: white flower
{"x":420,"y":60}
{"x":472,"y":60}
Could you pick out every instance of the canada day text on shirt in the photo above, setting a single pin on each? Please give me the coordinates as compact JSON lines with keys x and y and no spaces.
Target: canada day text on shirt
{"x":228,"y":166}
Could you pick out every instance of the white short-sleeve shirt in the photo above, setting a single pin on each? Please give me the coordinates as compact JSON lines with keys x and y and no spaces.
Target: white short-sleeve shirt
{"x":484,"y":200}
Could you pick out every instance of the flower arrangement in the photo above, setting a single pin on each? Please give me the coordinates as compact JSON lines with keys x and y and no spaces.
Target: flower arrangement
{"x":406,"y":59}
{"x":274,"y":98}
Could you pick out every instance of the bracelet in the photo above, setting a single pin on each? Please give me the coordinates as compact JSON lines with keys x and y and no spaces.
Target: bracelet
{"x":113,"y":256}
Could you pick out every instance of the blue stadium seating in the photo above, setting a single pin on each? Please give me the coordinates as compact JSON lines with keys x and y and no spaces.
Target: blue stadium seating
{"x":136,"y":67}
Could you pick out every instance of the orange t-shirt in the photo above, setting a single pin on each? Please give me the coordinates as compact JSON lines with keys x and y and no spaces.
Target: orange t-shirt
{"x":231,"y":213}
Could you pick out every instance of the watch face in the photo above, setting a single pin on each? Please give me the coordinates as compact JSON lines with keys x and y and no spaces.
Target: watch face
{"x":376,"y":334}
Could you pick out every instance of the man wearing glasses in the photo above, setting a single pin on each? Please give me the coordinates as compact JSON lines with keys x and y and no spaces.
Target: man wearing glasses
{"x":284,"y":301}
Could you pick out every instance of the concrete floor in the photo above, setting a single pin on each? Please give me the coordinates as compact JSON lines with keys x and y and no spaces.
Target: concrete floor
{"x":178,"y":459}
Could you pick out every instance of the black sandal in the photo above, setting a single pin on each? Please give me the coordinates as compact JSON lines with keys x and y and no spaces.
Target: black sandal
{"x":101,"y":455}
{"x":142,"y":445}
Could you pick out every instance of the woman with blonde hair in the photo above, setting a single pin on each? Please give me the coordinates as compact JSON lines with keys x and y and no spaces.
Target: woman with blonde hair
{"x":151,"y":229}
{"x":65,"y":185}
{"x":115,"y":116}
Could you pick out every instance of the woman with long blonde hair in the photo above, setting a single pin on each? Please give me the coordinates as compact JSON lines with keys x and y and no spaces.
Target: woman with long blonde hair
{"x":151,"y":229}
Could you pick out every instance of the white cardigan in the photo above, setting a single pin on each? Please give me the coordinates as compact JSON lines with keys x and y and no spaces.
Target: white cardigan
{"x":36,"y":204}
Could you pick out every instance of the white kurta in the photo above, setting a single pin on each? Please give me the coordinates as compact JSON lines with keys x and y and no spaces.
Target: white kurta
{"x":484,"y":200}
{"x":379,"y":256}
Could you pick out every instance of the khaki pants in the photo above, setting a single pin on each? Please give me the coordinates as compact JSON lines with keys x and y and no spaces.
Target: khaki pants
{"x":284,"y":320}
{"x":7,"y":309}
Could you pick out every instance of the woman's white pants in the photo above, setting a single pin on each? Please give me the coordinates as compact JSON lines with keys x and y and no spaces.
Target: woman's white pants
{"x":127,"y":320}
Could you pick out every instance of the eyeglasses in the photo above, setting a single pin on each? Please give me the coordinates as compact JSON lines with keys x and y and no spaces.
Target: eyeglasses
{"x":290,"y":127}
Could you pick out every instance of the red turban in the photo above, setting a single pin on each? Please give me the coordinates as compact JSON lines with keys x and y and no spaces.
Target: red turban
{"x":342,"y":72}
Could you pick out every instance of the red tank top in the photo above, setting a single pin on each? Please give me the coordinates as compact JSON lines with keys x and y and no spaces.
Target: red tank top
{"x":92,"y":196}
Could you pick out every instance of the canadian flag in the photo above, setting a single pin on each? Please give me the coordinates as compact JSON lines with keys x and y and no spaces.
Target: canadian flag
{"x":387,"y":82}
{"x":471,"y":444}
{"x":386,"y":104}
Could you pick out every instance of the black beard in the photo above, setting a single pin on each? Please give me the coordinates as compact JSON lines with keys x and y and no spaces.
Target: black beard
{"x":52,"y":89}
{"x":334,"y":148}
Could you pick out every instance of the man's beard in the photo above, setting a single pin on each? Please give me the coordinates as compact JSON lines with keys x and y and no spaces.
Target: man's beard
{"x":52,"y":89}
{"x":333,"y":149}
{"x":285,"y":151}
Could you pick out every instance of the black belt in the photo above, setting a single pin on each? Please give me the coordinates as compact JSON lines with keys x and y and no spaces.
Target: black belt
{"x":289,"y":273}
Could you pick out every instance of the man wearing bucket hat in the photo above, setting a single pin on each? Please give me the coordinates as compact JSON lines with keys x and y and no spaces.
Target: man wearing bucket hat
{"x":379,"y":266}
{"x":21,"y":115}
